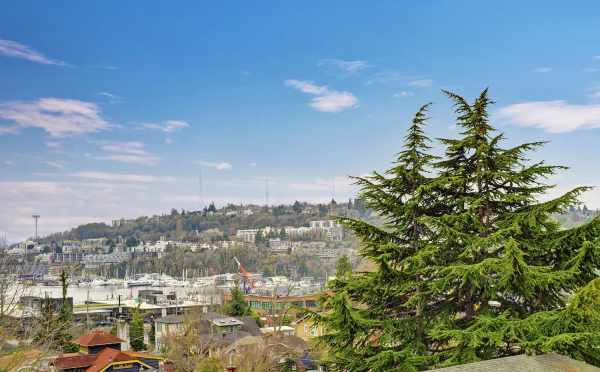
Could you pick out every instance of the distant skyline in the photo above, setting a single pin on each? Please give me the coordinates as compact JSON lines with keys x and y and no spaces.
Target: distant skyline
{"x":114,"y":109}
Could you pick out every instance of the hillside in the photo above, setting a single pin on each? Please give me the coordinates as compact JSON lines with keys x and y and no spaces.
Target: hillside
{"x":212,"y":223}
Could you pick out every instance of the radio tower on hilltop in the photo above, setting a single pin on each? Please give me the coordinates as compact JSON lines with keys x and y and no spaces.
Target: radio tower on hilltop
{"x":36,"y":217}
{"x":267,"y":192}
{"x":200,"y":191}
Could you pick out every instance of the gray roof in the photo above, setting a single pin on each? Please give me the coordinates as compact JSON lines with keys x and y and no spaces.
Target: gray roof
{"x":170,"y":319}
{"x":525,"y":363}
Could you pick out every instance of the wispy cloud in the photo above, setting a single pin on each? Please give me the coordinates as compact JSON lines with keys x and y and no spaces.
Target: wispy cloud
{"x":128,"y":152}
{"x":112,"y":98}
{"x":252,"y":164}
{"x":421,"y":83}
{"x":54,"y":164}
{"x":55,"y":145}
{"x":168,"y":141}
{"x":325,"y":100}
{"x":403,"y":93}
{"x":597,"y":57}
{"x":335,"y":184}
{"x":542,"y":69}
{"x":121,"y":177}
{"x":591,"y":69}
{"x":594,"y":92}
{"x":220,"y":166}
{"x":58,"y":117}
{"x":14,"y":49}
{"x":105,"y":67}
{"x":167,"y":126}
{"x":342,"y":68}
{"x":552,"y":116}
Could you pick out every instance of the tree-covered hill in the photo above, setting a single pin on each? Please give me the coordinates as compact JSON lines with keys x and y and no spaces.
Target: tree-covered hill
{"x":212,"y":221}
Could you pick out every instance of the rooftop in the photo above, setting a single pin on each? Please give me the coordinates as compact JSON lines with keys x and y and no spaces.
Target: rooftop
{"x":525,"y":363}
{"x":170,"y":319}
{"x":97,"y":338}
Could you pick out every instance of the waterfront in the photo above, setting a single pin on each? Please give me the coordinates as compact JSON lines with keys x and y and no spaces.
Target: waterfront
{"x":104,"y":293}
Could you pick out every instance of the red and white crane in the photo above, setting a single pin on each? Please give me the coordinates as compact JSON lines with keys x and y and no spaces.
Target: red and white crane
{"x":246,"y":276}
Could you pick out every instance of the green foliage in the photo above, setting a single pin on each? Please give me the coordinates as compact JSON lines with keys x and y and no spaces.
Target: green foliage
{"x":131,"y":242}
{"x":53,"y":329}
{"x":136,"y":330}
{"x":237,"y":306}
{"x":470,"y":265}
{"x":209,"y":365}
{"x":343,"y":267}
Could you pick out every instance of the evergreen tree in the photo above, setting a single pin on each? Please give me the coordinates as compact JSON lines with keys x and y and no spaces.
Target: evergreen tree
{"x":136,"y":330}
{"x":212,"y":208}
{"x":470,"y":264}
{"x":53,"y":329}
{"x":238,"y":305}
{"x":343,"y":267}
{"x":297,"y":207}
{"x":283,"y":234}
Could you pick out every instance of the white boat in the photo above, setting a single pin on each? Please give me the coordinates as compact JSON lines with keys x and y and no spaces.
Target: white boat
{"x":141,"y":282}
{"x":98,"y":283}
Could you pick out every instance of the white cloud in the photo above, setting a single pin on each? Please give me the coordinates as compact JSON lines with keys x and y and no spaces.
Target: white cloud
{"x":220,"y":166}
{"x":597,"y":57}
{"x":121,"y":177}
{"x":167,"y":126}
{"x":552,"y":116}
{"x":58,"y":117}
{"x":128,"y":152}
{"x":543,"y":69}
{"x":54,"y":145}
{"x":421,"y":83}
{"x":168,"y":141}
{"x":385,"y":77}
{"x":334,"y":185}
{"x":404,"y":93}
{"x":54,"y":164}
{"x":112,"y":98}
{"x":106,"y":67}
{"x":326,"y":100}
{"x":343,"y":68}
{"x":13,"y":49}
{"x":8,"y":163}
{"x":306,"y":87}
{"x":253,"y":164}
{"x":591,"y":69}
{"x":594,"y":92}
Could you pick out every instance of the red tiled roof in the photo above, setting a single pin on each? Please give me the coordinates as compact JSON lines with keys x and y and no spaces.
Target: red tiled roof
{"x":108,"y":356}
{"x":74,"y":361}
{"x":97,"y":338}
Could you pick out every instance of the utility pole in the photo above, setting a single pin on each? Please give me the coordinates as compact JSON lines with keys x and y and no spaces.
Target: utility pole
{"x":36,"y":217}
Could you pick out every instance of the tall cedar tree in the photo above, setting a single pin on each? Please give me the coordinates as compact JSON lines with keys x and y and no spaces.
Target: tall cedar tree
{"x":136,"y":330}
{"x":470,"y":264}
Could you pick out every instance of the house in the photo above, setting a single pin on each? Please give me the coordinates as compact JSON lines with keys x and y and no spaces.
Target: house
{"x":94,"y":342}
{"x":247,"y":235}
{"x":165,"y":327}
{"x":306,"y":329}
{"x":282,"y":330}
{"x":101,"y":352}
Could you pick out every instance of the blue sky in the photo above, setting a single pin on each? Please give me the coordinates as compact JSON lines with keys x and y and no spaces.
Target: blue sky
{"x":113,"y":109}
